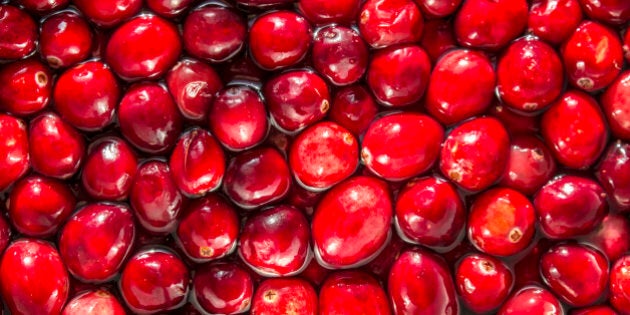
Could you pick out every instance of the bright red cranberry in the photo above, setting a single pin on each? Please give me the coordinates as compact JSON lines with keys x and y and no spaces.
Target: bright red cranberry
{"x":352,"y":222}
{"x":296,"y":99}
{"x":438,"y":8}
{"x":353,"y":108}
{"x":169,"y":8}
{"x":451,"y":103}
{"x":154,"y":197}
{"x":613,"y":173}
{"x":612,"y":236}
{"x":352,"y":292}
{"x":437,"y":38}
{"x":615,"y":103}
{"x":92,"y":302}
{"x":608,"y":11}
{"x":420,"y":283}
{"x":488,"y":24}
{"x":284,"y":296}
{"x":38,"y":205}
{"x":569,"y":206}
{"x":399,"y":75}
{"x":594,"y":310}
{"x":116,"y":156}
{"x":134,"y":53}
{"x":385,"y":23}
{"x":65,"y":39}
{"x":14,"y":150}
{"x":222,"y":288}
{"x":214,"y":33}
{"x":108,"y":13}
{"x":82,"y":105}
{"x":554,"y":20}
{"x":154,"y":280}
{"x":197,"y":163}
{"x":208,"y":229}
{"x":279,"y":39}
{"x":532,"y":300}
{"x":515,"y":123}
{"x":574,"y":128}
{"x":320,"y":12}
{"x":475,"y":153}
{"x":592,"y":56}
{"x":483,"y":282}
{"x":339,"y":54}
{"x":25,"y":87}
{"x":530,"y":164}
{"x":43,"y":6}
{"x":619,"y":284}
{"x":18,"y":33}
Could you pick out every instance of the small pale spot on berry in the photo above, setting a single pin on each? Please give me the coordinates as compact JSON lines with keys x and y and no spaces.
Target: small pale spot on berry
{"x":325,"y":106}
{"x":515,"y":235}
{"x":585,"y":83}
{"x":41,"y":78}
{"x":206,"y":251}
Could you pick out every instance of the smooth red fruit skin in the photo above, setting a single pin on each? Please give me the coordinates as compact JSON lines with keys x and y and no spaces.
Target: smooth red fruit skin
{"x":65,"y":39}
{"x":615,"y":12}
{"x":420,"y":283}
{"x":570,"y":206}
{"x":475,"y":153}
{"x":214,"y":33}
{"x":340,"y":54}
{"x":530,"y":164}
{"x":352,"y":292}
{"x":14,"y":150}
{"x":451,"y":103}
{"x":531,"y":300}
{"x":488,"y":24}
{"x":515,"y":123}
{"x":284,"y":296}
{"x":94,"y":302}
{"x":321,"y":12}
{"x":483,"y":282}
{"x":578,"y":274}
{"x":108,"y":13}
{"x":34,"y":279}
{"x":594,"y":310}
{"x":116,"y":156}
{"x":279,"y":39}
{"x":554,"y":20}
{"x":351,"y":223}
{"x":399,"y":75}
{"x":38,"y":205}
{"x":25,"y":87}
{"x":197,"y":163}
{"x":208,"y":229}
{"x":18,"y":33}
{"x":43,"y":6}
{"x":134,"y":53}
{"x":385,"y":23}
{"x":527,"y":268}
{"x":619,"y":284}
{"x":612,"y":236}
{"x":353,"y":107}
{"x":574,"y":128}
{"x":79,"y":103}
{"x":613,"y":174}
{"x":169,"y":8}
{"x":222,"y":288}
{"x":438,"y":9}
{"x":437,"y":38}
{"x":615,"y":103}
{"x":592,"y":56}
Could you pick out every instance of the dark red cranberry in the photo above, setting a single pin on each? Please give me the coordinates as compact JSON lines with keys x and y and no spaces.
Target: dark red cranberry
{"x":315,"y":273}
{"x":438,"y":8}
{"x":353,"y":107}
{"x":437,"y":38}
{"x":626,"y":46}
{"x":532,"y":300}
{"x":5,"y":232}
{"x":14,"y":150}
{"x":615,"y":102}
{"x":594,"y":310}
{"x":262,"y":4}
{"x":530,"y":164}
{"x":554,"y":20}
{"x":25,"y":87}
{"x":285,"y":296}
{"x":18,"y":33}
{"x":385,"y":23}
{"x":169,"y":8}
{"x":303,"y":199}
{"x":619,"y":284}
{"x":108,"y":13}
{"x":574,"y":128}
{"x":608,"y":11}
{"x":116,"y":156}
{"x":339,"y":54}
{"x":65,"y":39}
{"x":381,"y":264}
{"x":612,"y":236}
{"x":352,"y":292}
{"x":320,"y":12}
{"x":94,"y":301}
{"x":399,"y":75}
{"x":613,"y":173}
{"x":515,"y":123}
{"x":43,"y":6}
{"x":222,"y":288}
{"x":451,"y":103}
{"x":569,"y":206}
{"x":483,"y":282}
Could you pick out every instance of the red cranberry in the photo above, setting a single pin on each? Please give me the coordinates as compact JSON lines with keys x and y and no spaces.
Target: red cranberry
{"x":116,"y":156}
{"x":608,"y":11}
{"x":25,"y":87}
{"x":339,"y":54}
{"x":222,"y":288}
{"x":515,"y":123}
{"x":530,"y":165}
{"x":527,"y":268}
{"x":285,"y":296}
{"x":386,"y":23}
{"x":613,"y":174}
{"x":94,"y":301}
{"x":626,"y":46}
{"x":619,"y":284}
{"x":108,"y":13}
{"x":594,"y":310}
{"x":483,"y":282}
{"x":438,"y":8}
{"x":382,"y":263}
{"x":43,"y":6}
{"x":14,"y":150}
{"x":324,"y":12}
{"x":554,"y":20}
{"x":5,"y":233}
{"x":475,"y":153}
{"x":352,"y":292}
{"x":353,"y":108}
{"x":169,"y":8}
{"x":615,"y":104}
{"x":304,"y":199}
{"x":315,"y":273}
{"x":451,"y":103}
{"x":18,"y":33}
{"x":437,"y":38}
{"x":262,"y":4}
{"x":612,"y":236}
{"x":532,"y":300}
{"x":65,"y":39}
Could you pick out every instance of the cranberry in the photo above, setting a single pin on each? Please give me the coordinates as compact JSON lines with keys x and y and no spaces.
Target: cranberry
{"x":437,"y":9}
{"x":594,"y":310}
{"x":484,"y":282}
{"x":108,"y":13}
{"x":382,"y":263}
{"x":303,"y":199}
{"x":527,"y":268}
{"x":18,"y":33}
{"x":612,"y":236}
{"x":530,"y":300}
{"x":116,"y":156}
{"x":5,"y":233}
{"x":284,"y":296}
{"x":608,"y":11}
{"x":619,"y":284}
{"x":386,"y":23}
{"x":353,"y":108}
{"x":612,"y":172}
{"x":262,"y":4}
{"x":14,"y":150}
{"x":515,"y":123}
{"x":65,"y":39}
{"x":243,"y":68}
{"x":437,"y":38}
{"x":615,"y":104}
{"x":554,"y":20}
{"x":169,"y":8}
{"x":94,"y":301}
{"x":324,"y":12}
{"x":43,"y":6}
{"x":352,"y":292}
{"x":530,"y":165}
{"x":315,"y":273}
{"x":626,"y":46}
{"x":222,"y":288}
{"x":25,"y":87}
{"x":340,"y":54}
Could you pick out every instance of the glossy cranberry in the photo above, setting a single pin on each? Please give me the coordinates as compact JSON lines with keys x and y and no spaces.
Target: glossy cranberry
{"x":475,"y":153}
{"x":94,"y":302}
{"x":214,"y":33}
{"x":385,"y":23}
{"x":169,"y":8}
{"x":594,"y":310}
{"x":569,"y":206}
{"x":14,"y":150}
{"x":134,"y":53}
{"x":154,"y":280}
{"x":437,"y":38}
{"x":451,"y":103}
{"x":116,"y":156}
{"x":296,"y":99}
{"x":352,"y":292}
{"x":325,"y":12}
{"x":353,"y":108}
{"x":108,"y":13}
{"x":612,"y":236}
{"x":438,"y":8}
{"x":279,"y":39}
{"x":530,"y":164}
{"x":592,"y":56}
{"x":65,"y":39}
{"x":197,"y":163}
{"x":612,"y":173}
{"x":532,"y":300}
{"x":483,"y":282}
{"x":222,"y":288}
{"x":208,"y":229}
{"x":608,"y":11}
{"x":615,"y":104}
{"x":399,"y":75}
{"x":619,"y":284}
{"x":284,"y":296}
{"x":419,"y":283}
{"x":79,"y":103}
{"x":43,"y":6}
{"x":18,"y":33}
{"x":25,"y":87}
{"x":574,"y":128}
{"x":515,"y":123}
{"x":554,"y":20}
{"x":339,"y":54}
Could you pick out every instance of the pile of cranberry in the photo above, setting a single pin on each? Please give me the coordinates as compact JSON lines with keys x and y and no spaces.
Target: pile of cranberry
{"x":289,"y":157}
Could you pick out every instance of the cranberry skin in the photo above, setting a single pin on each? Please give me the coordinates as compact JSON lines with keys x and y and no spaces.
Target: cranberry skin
{"x":110,"y":12}
{"x":279,"y":39}
{"x":197,"y":163}
{"x":483,"y":282}
{"x":594,"y":310}
{"x":352,"y":292}
{"x":18,"y":33}
{"x":515,"y":123}
{"x":570,"y":206}
{"x":475,"y":153}
{"x":351,"y":223}
{"x":296,"y":99}
{"x":262,"y":4}
{"x":116,"y":156}
{"x":554,"y":20}
{"x":154,"y":197}
{"x":532,"y":300}
{"x":438,"y":38}
{"x":385,"y":23}
{"x":169,"y":8}
{"x":66,"y":39}
{"x":490,"y":25}
{"x":612,"y":236}
{"x":339,"y":54}
{"x":154,"y":280}
{"x":476,"y":78}
{"x":574,"y":128}
{"x":592,"y":56}
{"x":208,"y":229}
{"x":438,"y":9}
{"x":79,"y":103}
{"x":616,"y":106}
{"x":353,"y":108}
{"x":420,"y":283}
{"x":615,"y":12}
{"x":14,"y":150}
{"x":612,"y":172}
{"x":25,"y":87}
{"x":619,"y":284}
{"x":626,"y":46}
{"x":326,"y":12}
{"x":38,"y":205}
{"x":94,"y":302}
{"x":238,"y":117}
{"x":214,"y":33}
{"x":530,"y":165}
{"x":5,"y":233}
{"x":134,"y":53}
{"x":193,"y":85}
{"x":43,"y":6}
{"x":222,"y":288}
{"x":284,"y":296}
